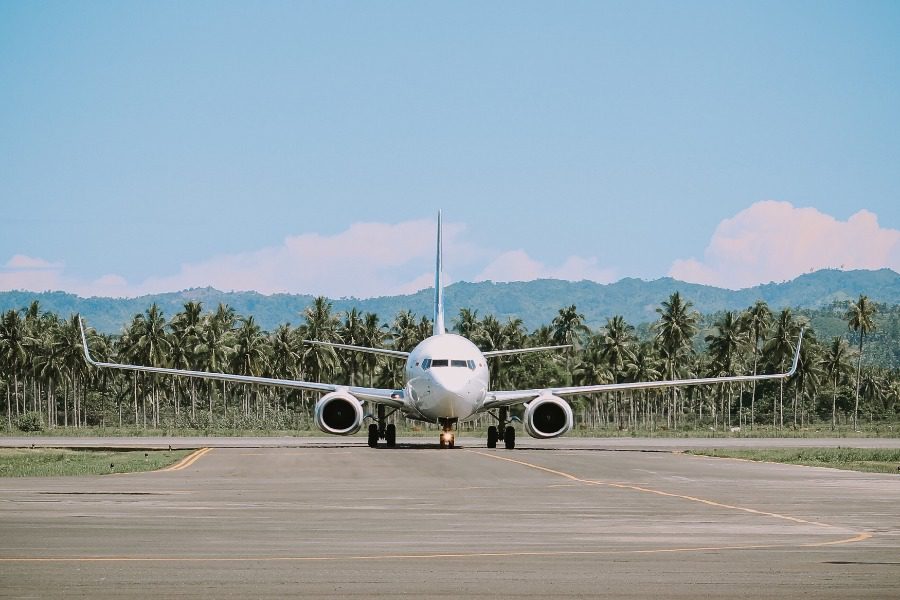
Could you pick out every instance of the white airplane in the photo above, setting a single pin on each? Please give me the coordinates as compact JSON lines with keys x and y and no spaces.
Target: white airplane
{"x":447,"y":380}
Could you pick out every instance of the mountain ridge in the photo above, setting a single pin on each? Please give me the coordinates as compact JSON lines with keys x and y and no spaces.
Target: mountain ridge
{"x":535,"y":302}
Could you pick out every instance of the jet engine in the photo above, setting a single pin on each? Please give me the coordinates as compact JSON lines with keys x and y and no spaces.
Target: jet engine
{"x":548,"y":417}
{"x":339,"y":413}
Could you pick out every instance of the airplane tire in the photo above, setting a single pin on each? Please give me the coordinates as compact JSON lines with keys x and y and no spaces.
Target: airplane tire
{"x":373,"y":435}
{"x":390,"y":435}
{"x":443,"y":443}
{"x":509,"y":437}
{"x":452,"y":442}
{"x":492,"y":437}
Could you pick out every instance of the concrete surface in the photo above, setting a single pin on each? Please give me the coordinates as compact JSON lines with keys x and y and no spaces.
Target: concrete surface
{"x":346,"y":521}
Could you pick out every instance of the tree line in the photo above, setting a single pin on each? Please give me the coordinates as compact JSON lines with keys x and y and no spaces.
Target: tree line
{"x":47,"y":382}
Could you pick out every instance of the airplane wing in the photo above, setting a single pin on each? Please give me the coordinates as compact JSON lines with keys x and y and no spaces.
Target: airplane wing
{"x":500,"y":398}
{"x":369,"y":349}
{"x":523,"y":350}
{"x":388,"y":397}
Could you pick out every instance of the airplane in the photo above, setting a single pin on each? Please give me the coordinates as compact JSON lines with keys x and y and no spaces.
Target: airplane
{"x":446,"y":381}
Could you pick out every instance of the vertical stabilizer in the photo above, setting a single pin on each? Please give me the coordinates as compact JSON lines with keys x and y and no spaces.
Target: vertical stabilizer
{"x":439,"y":284}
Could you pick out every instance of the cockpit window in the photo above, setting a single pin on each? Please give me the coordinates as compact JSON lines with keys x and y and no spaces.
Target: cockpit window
{"x":443,"y":362}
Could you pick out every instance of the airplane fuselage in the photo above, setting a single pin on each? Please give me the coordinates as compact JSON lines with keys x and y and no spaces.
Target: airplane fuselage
{"x":447,"y":377}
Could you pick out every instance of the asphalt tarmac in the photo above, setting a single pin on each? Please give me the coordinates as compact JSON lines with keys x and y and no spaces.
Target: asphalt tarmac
{"x":552,"y":520}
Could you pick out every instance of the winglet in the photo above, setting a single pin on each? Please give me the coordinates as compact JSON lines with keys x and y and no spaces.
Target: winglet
{"x":84,"y":344}
{"x":439,"y":284}
{"x":796,"y":355}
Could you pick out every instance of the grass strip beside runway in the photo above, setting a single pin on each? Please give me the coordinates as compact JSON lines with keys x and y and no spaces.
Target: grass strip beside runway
{"x":870,"y":460}
{"x":45,"y":462}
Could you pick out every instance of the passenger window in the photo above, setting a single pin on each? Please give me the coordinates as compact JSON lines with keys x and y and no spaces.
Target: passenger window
{"x":458,"y":363}
{"x":440,"y":362}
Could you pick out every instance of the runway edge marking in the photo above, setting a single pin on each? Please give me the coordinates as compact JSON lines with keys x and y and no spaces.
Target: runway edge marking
{"x":857,"y":538}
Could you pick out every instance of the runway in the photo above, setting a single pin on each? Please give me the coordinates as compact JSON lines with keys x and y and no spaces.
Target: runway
{"x":347,"y":521}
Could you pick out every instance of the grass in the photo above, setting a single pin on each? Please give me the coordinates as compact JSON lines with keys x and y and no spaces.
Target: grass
{"x":870,"y":460}
{"x":44,"y":462}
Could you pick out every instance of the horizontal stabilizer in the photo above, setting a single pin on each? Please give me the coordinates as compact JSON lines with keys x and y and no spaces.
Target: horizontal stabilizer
{"x":384,"y":351}
{"x":524,"y":350}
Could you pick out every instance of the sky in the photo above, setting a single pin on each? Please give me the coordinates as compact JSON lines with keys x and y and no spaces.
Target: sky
{"x":306,"y":147}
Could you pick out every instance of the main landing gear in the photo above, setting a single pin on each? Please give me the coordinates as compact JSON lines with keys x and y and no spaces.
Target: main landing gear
{"x":381,"y":430}
{"x":502,"y":432}
{"x":448,"y":438}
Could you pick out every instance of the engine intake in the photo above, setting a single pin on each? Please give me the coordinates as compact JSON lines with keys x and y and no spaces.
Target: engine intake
{"x":339,"y":413}
{"x":548,"y":417}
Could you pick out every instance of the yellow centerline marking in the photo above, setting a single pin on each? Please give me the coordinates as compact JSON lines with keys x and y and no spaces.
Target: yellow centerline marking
{"x":187,"y":461}
{"x":638,"y":488}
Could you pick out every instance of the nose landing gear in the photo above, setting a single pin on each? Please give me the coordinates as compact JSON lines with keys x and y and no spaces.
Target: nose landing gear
{"x":448,"y":438}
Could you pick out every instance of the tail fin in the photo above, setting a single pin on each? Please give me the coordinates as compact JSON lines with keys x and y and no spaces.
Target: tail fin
{"x":439,"y":284}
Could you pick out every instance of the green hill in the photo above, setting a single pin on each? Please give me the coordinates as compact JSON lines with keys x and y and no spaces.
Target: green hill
{"x":535,"y":302}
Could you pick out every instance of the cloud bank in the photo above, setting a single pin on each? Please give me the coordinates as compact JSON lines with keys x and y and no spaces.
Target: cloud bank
{"x":775,"y":241}
{"x":365,"y":260}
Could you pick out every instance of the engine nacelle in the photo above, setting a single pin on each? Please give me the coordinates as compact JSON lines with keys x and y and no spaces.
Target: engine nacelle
{"x":339,"y":413}
{"x":548,"y":417}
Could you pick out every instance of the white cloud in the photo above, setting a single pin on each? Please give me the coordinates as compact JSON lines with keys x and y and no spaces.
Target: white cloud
{"x":20,"y":262}
{"x":516,"y":265}
{"x":36,"y":274}
{"x":775,"y":241}
{"x":367,"y":259}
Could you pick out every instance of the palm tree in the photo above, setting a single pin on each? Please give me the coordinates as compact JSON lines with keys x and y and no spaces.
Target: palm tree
{"x":320,"y":324}
{"x":67,"y":345}
{"x":404,"y":331}
{"x":466,"y":324}
{"x":214,"y":347}
{"x":568,"y":328}
{"x":675,"y":329}
{"x":12,"y":349}
{"x":152,"y":347}
{"x":591,"y":370}
{"x":423,"y":330}
{"x":352,"y":331}
{"x":512,"y":335}
{"x":374,"y":335}
{"x":780,"y":347}
{"x":614,"y":346}
{"x":809,"y":374}
{"x":643,"y":366}
{"x":726,"y":342}
{"x":837,"y":366}
{"x":249,"y":357}
{"x":860,"y":318}
{"x":51,"y":366}
{"x":186,"y":327}
{"x":287,"y":353}
{"x":756,"y":321}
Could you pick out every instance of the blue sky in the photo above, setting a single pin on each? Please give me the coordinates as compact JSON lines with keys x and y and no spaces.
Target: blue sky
{"x":306,"y":147}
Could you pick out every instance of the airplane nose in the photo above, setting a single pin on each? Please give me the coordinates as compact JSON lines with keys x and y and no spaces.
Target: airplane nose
{"x":451,"y":393}
{"x":449,"y":380}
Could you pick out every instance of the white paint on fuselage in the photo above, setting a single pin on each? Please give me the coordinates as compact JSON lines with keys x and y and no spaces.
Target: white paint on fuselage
{"x":446,"y":392}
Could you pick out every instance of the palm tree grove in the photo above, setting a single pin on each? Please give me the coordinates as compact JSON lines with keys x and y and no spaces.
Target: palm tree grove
{"x":47,"y":385}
